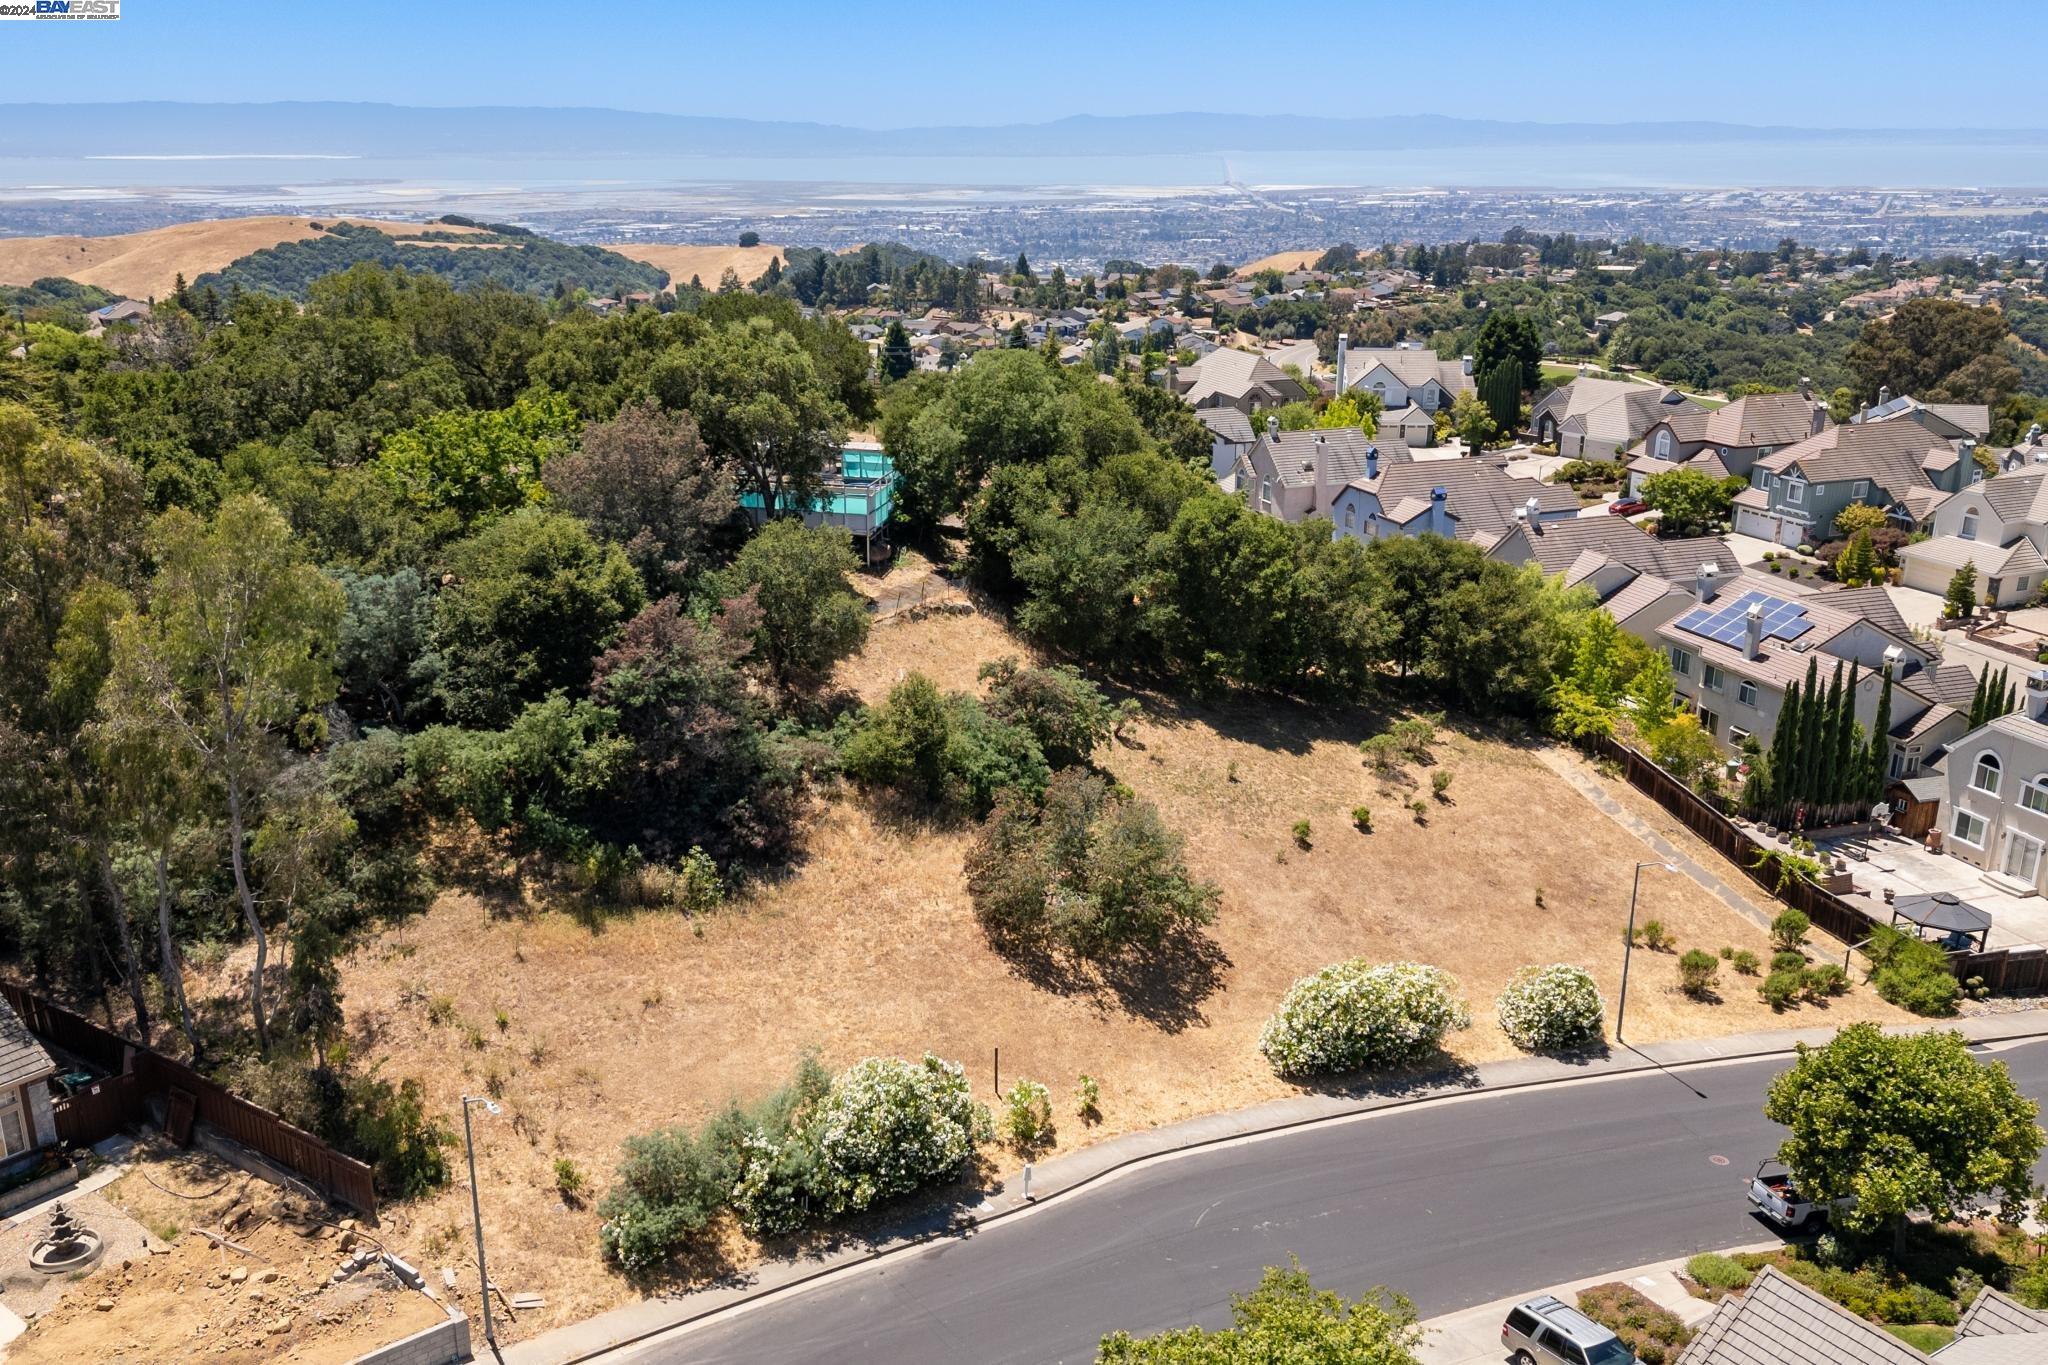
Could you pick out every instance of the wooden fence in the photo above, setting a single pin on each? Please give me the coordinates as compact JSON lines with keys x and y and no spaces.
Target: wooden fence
{"x":2011,"y":971}
{"x":135,"y":1074}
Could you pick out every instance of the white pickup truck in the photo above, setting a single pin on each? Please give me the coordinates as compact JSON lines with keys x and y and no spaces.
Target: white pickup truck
{"x":1771,"y":1191}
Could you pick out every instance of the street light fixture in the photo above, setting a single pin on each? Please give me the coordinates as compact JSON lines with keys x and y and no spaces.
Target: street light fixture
{"x":1629,"y":944}
{"x":476,"y":1210}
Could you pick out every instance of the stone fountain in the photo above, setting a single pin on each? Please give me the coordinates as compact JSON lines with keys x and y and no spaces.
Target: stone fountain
{"x":67,"y":1248}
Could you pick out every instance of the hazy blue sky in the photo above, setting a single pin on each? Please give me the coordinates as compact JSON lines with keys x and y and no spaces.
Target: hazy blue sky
{"x":1823,"y":63}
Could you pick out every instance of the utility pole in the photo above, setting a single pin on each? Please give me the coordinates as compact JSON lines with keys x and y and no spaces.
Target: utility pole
{"x":476,"y":1210}
{"x":1629,"y":943}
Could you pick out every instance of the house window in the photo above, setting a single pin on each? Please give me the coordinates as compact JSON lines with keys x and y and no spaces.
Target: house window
{"x":1984,"y":776}
{"x":1266,"y":493}
{"x":1795,"y":490}
{"x":1709,"y":722}
{"x":2034,"y":795}
{"x":1663,"y":445}
{"x":1968,"y":829}
{"x":1350,"y":518}
{"x":1969,"y":531}
{"x":2020,"y":584}
{"x":2022,"y":856}
{"x":13,"y":1125}
{"x":1713,"y":679}
{"x":1745,"y":692}
{"x":1681,"y":662}
{"x":1736,"y":734}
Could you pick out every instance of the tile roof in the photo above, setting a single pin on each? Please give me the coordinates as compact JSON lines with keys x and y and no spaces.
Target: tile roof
{"x":1228,"y":423}
{"x":1414,"y":366}
{"x":1779,"y":1321}
{"x":1952,"y":684}
{"x":1646,"y":592}
{"x":1992,"y":1314}
{"x":1953,"y":552}
{"x":2019,"y":496}
{"x":1778,"y":663}
{"x":1479,"y":494}
{"x":1762,"y":419}
{"x":1234,"y":374}
{"x":1616,"y":410}
{"x":22,"y":1058}
{"x":1891,"y":455}
{"x":1874,"y":605}
{"x":1340,"y":451}
{"x":1555,"y":545}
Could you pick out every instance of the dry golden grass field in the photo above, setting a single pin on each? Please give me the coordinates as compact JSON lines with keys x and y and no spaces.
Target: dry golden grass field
{"x":144,"y":265}
{"x":707,"y":263}
{"x":1283,"y":261}
{"x":870,"y":945}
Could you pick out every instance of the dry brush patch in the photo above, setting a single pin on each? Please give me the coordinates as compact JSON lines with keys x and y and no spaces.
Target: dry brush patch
{"x":870,"y":945}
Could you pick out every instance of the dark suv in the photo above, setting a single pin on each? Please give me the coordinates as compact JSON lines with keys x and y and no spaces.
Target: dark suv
{"x":1548,"y":1331}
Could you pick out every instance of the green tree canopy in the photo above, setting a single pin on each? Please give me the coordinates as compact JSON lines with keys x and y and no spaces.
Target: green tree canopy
{"x":809,"y":618}
{"x":1937,"y":350}
{"x":1287,"y":1319}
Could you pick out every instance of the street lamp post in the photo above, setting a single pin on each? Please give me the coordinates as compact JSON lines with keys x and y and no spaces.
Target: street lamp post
{"x":1629,"y":944}
{"x":476,"y":1210}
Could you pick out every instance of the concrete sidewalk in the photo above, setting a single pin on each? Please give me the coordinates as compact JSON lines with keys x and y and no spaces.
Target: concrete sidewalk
{"x":1472,"y":1337}
{"x":1063,"y":1176}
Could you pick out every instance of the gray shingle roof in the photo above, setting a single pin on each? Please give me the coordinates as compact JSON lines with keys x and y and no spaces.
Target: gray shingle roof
{"x":1781,"y":1322}
{"x":1479,"y":494}
{"x":1557,"y":545}
{"x":1228,"y":423}
{"x":1992,"y":1314}
{"x":22,"y":1058}
{"x":1891,"y":455}
{"x":1340,"y":450}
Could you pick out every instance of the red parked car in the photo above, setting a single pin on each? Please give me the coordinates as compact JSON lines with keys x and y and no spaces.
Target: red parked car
{"x":1628,"y":508}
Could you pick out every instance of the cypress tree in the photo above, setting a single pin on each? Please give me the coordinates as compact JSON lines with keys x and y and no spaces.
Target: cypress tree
{"x":1823,"y":791}
{"x":1844,"y":773}
{"x":1976,"y":716}
{"x":1784,"y":756}
{"x":2010,"y":701}
{"x":1879,"y":763}
{"x":1813,"y":736}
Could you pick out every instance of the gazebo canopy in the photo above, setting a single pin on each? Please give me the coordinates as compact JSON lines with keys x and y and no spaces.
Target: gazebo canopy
{"x":1943,"y":912}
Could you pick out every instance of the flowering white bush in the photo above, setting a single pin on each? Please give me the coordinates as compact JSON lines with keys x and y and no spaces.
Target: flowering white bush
{"x":890,"y":1126}
{"x":1357,"y":1014}
{"x":1027,"y":1114}
{"x":1545,"y":1009}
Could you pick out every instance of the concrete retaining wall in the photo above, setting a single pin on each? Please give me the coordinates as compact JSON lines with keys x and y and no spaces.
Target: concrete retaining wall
{"x":445,"y":1343}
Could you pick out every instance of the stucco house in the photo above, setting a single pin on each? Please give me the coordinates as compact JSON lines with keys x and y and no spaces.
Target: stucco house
{"x":1740,"y":642}
{"x":1237,"y":379}
{"x":1403,"y":375}
{"x":1607,"y":555}
{"x":27,"y":1123}
{"x":1295,"y":475}
{"x":1998,"y":525}
{"x":1472,"y":499}
{"x":1901,"y":467}
{"x":1995,"y":810}
{"x":1230,"y":436}
{"x":1727,"y":441}
{"x":1601,"y":419}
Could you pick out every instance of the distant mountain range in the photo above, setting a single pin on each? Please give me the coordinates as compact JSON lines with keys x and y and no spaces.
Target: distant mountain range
{"x":324,"y":128}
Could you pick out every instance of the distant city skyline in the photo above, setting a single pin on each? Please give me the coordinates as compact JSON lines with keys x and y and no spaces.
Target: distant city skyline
{"x":1819,"y":64}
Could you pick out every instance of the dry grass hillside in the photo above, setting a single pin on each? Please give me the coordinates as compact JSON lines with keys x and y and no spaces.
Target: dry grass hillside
{"x":707,"y":263}
{"x":1282,"y":261}
{"x":143,"y":265}
{"x":870,"y":945}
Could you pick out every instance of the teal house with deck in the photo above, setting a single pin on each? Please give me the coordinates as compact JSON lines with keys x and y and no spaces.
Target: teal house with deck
{"x":858,"y":497}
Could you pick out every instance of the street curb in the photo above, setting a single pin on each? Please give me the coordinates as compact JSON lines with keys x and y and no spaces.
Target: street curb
{"x":2036,"y":1031}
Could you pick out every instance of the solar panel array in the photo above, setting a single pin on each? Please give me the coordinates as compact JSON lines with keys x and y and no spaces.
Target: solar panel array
{"x":1728,"y":623}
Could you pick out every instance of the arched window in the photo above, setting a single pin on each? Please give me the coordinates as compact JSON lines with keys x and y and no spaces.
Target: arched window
{"x":1969,"y":531}
{"x":2034,"y":795}
{"x":1663,"y":445}
{"x":1984,"y":773}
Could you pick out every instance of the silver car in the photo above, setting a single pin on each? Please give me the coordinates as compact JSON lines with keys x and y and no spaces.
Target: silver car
{"x":1548,"y":1331}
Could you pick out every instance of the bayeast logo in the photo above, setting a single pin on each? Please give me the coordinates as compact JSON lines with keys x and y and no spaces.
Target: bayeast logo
{"x":61,"y":9}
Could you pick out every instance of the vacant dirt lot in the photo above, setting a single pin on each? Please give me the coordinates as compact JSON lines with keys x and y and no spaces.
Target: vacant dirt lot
{"x":870,"y":945}
{"x":707,"y":263}
{"x":144,"y":265}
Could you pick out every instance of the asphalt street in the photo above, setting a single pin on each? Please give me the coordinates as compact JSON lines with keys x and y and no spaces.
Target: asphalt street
{"x":1453,"y":1204}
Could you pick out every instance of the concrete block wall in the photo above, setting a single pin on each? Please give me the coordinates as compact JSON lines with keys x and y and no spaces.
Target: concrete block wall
{"x":446,"y":1343}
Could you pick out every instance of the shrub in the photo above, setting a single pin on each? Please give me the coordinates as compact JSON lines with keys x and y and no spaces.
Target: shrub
{"x":697,"y":887}
{"x":1697,"y":971}
{"x":1788,"y":962}
{"x":1301,"y":833}
{"x":669,"y":1188}
{"x":1089,"y":1093}
{"x":389,"y":1127}
{"x":1361,"y":816}
{"x":1656,"y":937}
{"x":1780,"y":989}
{"x":1356,"y":1015}
{"x":1824,"y":979}
{"x":1093,"y":870}
{"x":1745,"y":962}
{"x":1063,"y":711}
{"x":1027,"y":1115}
{"x":569,"y":1180}
{"x":1711,"y":1270}
{"x":1547,"y":1009}
{"x":1656,"y":1335}
{"x":1439,"y":784}
{"x":1727,"y":953}
{"x":1911,"y":973}
{"x":1420,"y":811}
{"x":1788,"y":930}
{"x":890,"y":1126}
